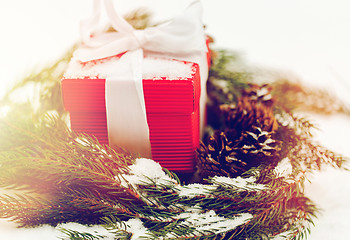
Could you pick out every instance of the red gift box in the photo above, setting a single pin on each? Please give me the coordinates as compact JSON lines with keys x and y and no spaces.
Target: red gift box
{"x":172,"y":109}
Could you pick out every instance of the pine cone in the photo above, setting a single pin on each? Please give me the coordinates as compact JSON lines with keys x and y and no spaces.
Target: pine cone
{"x":218,"y":158}
{"x":257,"y":93}
{"x":249,"y":137}
{"x":258,"y":145}
{"x":230,"y":154}
{"x":253,"y":108}
{"x":246,"y":114}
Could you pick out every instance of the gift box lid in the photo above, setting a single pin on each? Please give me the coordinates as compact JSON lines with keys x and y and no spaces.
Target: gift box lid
{"x":168,"y":85}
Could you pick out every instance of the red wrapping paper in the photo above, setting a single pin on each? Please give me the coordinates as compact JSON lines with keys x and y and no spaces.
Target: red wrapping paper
{"x":172,"y":108}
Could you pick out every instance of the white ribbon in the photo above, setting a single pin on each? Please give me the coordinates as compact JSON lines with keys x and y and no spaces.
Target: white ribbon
{"x":182,"y":38}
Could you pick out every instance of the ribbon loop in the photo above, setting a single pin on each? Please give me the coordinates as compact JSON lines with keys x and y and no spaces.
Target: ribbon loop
{"x":118,"y":22}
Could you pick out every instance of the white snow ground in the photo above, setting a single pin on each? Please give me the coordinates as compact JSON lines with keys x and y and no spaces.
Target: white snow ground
{"x":307,"y":38}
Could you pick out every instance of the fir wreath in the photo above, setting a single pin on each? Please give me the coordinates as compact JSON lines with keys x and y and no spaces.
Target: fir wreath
{"x":252,"y":164}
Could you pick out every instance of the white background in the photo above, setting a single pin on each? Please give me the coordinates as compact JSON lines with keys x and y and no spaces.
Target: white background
{"x":307,"y":38}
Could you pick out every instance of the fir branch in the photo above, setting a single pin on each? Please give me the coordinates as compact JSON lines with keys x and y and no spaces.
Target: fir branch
{"x":307,"y":157}
{"x":304,"y":155}
{"x":46,"y":88}
{"x":76,"y":235}
{"x":299,"y":124}
{"x":70,"y":167}
{"x":294,"y":96}
{"x":224,"y":85}
{"x":274,"y":204}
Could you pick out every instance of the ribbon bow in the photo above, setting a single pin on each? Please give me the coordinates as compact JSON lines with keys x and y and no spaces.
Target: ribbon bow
{"x":182,"y":35}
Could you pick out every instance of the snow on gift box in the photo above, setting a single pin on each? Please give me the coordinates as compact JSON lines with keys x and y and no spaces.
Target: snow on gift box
{"x":143,"y":90}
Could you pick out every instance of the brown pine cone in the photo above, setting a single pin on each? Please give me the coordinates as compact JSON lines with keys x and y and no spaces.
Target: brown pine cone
{"x":258,"y":145}
{"x":218,"y":158}
{"x":246,"y":114}
{"x":259,"y":93}
{"x":232,"y":153}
